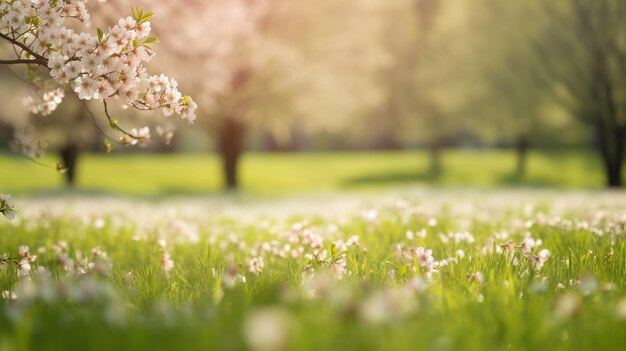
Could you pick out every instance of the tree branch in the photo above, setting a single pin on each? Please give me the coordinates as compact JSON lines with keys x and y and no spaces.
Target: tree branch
{"x":114,"y":125}
{"x":19,"y":61}
{"x":38,"y":58}
{"x":95,"y":122}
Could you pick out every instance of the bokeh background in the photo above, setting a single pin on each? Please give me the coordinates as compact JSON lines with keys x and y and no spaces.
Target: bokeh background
{"x":298,"y":95}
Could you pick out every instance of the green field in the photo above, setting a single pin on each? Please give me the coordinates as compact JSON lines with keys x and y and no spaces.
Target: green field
{"x":341,"y":251}
{"x":272,"y":174}
{"x":508,"y":271}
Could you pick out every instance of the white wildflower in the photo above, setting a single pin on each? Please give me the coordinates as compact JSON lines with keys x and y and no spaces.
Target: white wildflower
{"x":267,"y":329}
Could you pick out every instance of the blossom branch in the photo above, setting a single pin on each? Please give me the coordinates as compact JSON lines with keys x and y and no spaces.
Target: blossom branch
{"x":95,"y":122}
{"x":38,"y":58}
{"x":113,"y":122}
{"x":96,"y":66}
{"x":18,"y":61}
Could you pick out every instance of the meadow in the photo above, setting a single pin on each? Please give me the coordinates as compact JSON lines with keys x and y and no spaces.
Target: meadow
{"x":317,"y":252}
{"x":410,"y":269}
{"x":279,"y":174}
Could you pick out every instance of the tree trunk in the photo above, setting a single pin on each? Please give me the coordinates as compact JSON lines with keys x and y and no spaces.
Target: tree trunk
{"x":435,"y":159}
{"x":69,"y":156}
{"x":230,"y":138}
{"x":612,"y":149}
{"x":522,"y":154}
{"x":385,"y":140}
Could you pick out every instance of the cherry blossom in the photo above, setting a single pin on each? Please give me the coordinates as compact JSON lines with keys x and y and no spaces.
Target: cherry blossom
{"x":7,"y":208}
{"x":106,"y":65}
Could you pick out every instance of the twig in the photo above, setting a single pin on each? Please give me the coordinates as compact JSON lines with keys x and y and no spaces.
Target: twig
{"x":18,"y":61}
{"x":95,"y":122}
{"x":40,"y":59}
{"x":113,"y":122}
{"x":37,"y":162}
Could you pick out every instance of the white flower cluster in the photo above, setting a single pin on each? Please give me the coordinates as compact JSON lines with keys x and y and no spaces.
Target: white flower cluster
{"x":25,"y":259}
{"x":80,"y":263}
{"x":29,"y":143}
{"x":22,"y":262}
{"x":19,"y":15}
{"x":51,"y":101}
{"x":524,"y":250}
{"x":166,"y":260}
{"x":107,"y":65}
{"x":7,"y":208}
{"x":419,"y":256}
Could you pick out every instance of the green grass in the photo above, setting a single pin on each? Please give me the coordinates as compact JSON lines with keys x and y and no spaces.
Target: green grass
{"x":375,"y":306}
{"x":272,"y":174}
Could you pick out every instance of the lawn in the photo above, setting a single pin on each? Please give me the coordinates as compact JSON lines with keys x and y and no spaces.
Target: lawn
{"x":341,"y":251}
{"x":278,"y":174}
{"x":416,"y":270}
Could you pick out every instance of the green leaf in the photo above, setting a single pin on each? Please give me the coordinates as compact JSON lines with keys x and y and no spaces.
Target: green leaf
{"x":333,"y":250}
{"x":150,"y":40}
{"x":402,"y":270}
{"x":100,"y":34}
{"x":135,"y":12}
{"x":182,"y":279}
{"x":146,"y":17}
{"x":218,"y":292}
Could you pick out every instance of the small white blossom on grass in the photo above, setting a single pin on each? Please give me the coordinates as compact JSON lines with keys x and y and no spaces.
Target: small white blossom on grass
{"x":268,"y":329}
{"x":567,"y":306}
{"x":318,"y":284}
{"x":417,"y":284}
{"x":588,"y":285}
{"x":476,"y":277}
{"x":460,"y":253}
{"x":425,"y":257}
{"x":256,"y":265}
{"x":389,"y":305}
{"x":230,"y":277}
{"x":432,"y":222}
{"x":129,"y":278}
{"x":538,"y":260}
{"x":409,"y":235}
{"x":167,"y":262}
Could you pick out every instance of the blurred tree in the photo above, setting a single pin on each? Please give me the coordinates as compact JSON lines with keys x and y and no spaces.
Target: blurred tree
{"x":582,"y":52}
{"x":505,"y":104}
{"x":68,"y":130}
{"x":235,"y":66}
{"x":271,"y":65}
{"x":427,"y":14}
{"x":422,"y":97}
